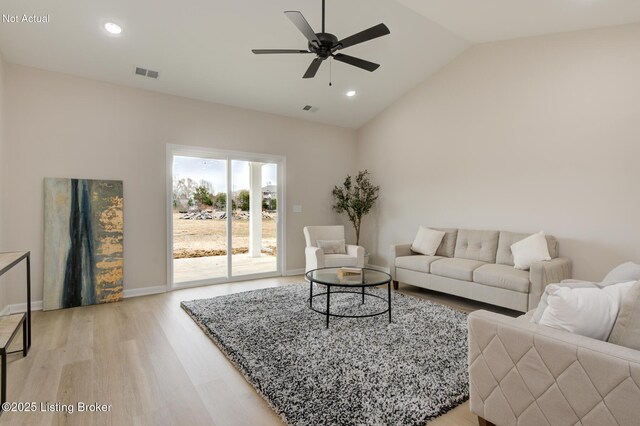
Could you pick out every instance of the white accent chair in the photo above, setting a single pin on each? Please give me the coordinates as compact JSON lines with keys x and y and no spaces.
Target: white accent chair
{"x":315,"y":257}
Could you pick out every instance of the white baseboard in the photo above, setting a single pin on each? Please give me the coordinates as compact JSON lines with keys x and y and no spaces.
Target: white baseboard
{"x":379,"y":268}
{"x":145,"y":291}
{"x":36,"y":305}
{"x":17,"y":308}
{"x":292,"y":272}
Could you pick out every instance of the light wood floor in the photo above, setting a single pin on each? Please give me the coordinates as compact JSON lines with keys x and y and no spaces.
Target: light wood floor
{"x":148,"y":360}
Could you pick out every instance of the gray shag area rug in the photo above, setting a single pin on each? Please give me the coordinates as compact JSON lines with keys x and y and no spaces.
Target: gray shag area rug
{"x":359,"y":371}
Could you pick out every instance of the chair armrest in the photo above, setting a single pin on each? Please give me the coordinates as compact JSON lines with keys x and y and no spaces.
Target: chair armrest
{"x":398,"y":250}
{"x":520,"y":373}
{"x":314,"y":258}
{"x":356,"y":251}
{"x":543,"y":273}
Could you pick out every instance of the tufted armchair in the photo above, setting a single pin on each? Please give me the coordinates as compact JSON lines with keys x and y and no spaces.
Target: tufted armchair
{"x":526,"y":374}
{"x":315,"y":256}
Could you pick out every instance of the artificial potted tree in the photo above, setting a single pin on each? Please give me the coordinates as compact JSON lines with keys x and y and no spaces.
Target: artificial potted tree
{"x":356,"y":199}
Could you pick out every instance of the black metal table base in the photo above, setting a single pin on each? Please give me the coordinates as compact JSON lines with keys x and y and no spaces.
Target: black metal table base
{"x":328,"y":293}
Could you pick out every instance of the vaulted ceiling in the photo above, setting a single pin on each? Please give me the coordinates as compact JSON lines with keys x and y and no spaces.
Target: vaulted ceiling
{"x":490,"y":20}
{"x":202,"y":48}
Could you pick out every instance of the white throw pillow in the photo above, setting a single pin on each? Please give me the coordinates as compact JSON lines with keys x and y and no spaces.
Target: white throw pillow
{"x":543,"y":304}
{"x":427,"y":241}
{"x":622,"y":273}
{"x":589,"y":312}
{"x":532,"y":249}
{"x":332,"y":246}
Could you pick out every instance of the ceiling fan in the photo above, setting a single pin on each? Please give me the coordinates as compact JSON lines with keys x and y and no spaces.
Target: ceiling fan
{"x":325,"y":45}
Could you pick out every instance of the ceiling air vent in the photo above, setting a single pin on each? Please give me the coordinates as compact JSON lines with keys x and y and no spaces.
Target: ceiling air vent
{"x":146,"y":73}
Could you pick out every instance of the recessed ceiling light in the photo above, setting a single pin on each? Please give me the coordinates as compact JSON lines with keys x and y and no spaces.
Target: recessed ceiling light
{"x":351,"y":93}
{"x":113,"y":28}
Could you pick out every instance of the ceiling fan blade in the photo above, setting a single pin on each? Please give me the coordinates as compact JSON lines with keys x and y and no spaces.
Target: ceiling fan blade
{"x":356,"y":62}
{"x":270,"y":51}
{"x":366,"y":35}
{"x":313,"y":68}
{"x":304,"y":27}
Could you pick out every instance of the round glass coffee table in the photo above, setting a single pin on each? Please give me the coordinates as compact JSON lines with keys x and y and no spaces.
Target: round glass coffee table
{"x":335,"y":283}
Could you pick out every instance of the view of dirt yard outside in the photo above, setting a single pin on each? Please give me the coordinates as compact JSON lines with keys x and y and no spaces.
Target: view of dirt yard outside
{"x":208,"y":237}
{"x":201,"y":196}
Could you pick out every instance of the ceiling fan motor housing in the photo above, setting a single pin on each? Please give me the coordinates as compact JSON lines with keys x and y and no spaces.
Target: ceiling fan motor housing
{"x":324,"y":45}
{"x":327,"y":43}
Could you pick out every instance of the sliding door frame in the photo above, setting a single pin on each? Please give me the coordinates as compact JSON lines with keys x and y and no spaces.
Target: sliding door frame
{"x":228,"y":156}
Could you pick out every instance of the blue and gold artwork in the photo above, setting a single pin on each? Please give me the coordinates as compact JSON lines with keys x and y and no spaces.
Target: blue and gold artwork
{"x":83,"y":242}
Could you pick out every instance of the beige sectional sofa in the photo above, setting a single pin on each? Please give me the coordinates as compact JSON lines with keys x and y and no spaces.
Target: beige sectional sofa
{"x":527,"y":374}
{"x":479,"y":265}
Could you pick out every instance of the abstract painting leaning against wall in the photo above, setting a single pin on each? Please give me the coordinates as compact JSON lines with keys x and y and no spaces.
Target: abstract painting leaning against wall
{"x":83,"y":249}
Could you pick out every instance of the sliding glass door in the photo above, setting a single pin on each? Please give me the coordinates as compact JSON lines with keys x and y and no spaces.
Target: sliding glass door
{"x":225,"y":220}
{"x":199,"y":218}
{"x":254,"y":236}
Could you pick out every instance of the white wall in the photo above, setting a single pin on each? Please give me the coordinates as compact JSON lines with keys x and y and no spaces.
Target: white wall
{"x":3,"y":176}
{"x":64,"y":126}
{"x":530,"y":134}
{"x":3,"y":150}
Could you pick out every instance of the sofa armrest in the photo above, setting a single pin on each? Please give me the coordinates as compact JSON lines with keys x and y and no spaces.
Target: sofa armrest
{"x":522,"y":373}
{"x":543,"y":273}
{"x":398,"y":250}
{"x":572,"y":281}
{"x":356,"y":251}
{"x":314,"y":257}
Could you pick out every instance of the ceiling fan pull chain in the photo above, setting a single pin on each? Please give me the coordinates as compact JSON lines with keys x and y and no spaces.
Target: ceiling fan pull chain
{"x":330,"y":69}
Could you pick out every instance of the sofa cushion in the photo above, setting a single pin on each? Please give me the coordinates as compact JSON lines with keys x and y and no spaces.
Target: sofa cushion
{"x":333,"y":260}
{"x":502,"y":276}
{"x":416,"y":263}
{"x":459,"y":269}
{"x":626,"y":329}
{"x":477,"y":245}
{"x":448,"y":245}
{"x":507,"y":239}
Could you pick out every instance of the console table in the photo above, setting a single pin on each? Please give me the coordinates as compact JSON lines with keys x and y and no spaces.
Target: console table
{"x":10,"y":324}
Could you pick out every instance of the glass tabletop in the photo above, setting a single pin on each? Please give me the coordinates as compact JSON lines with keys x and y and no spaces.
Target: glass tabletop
{"x":332,"y":276}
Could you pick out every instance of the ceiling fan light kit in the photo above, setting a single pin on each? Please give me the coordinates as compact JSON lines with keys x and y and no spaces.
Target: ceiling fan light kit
{"x":326,"y":45}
